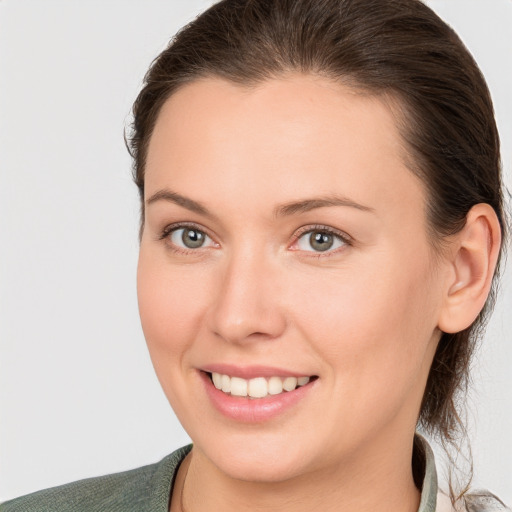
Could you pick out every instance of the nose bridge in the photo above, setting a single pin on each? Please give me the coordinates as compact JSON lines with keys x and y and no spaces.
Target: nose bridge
{"x":246,"y":303}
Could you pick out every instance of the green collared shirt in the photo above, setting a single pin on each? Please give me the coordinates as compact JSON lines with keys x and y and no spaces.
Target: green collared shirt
{"x":148,"y":489}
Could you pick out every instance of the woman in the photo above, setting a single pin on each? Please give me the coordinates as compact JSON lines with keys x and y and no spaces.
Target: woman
{"x":322,"y":219}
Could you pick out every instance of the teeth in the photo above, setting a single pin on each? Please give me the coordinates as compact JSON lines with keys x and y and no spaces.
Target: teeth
{"x":290,"y":383}
{"x":275,"y":386}
{"x":259,"y":387}
{"x":217,"y":380}
{"x":225,"y":384}
{"x":238,"y":386}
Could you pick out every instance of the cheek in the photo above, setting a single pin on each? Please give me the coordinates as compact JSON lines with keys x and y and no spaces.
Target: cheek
{"x":370,"y":323}
{"x":170,"y":305}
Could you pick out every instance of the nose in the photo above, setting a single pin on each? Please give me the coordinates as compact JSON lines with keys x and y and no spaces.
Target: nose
{"x":246,"y":306}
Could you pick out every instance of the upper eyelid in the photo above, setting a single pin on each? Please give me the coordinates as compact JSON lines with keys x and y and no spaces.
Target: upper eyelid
{"x":327,"y":229}
{"x":165,"y":233}
{"x":346,"y":240}
{"x":181,"y":225}
{"x":295,"y":237}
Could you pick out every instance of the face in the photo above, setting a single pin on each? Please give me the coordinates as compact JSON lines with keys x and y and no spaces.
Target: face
{"x":285,"y":244}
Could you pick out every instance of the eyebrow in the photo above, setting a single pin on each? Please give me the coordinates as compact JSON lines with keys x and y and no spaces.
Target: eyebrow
{"x":306,"y":205}
{"x":291,"y":208}
{"x":185,"y":202}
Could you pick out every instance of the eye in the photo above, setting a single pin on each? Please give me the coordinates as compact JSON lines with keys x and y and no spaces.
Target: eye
{"x":187,"y":237}
{"x":321,"y":240}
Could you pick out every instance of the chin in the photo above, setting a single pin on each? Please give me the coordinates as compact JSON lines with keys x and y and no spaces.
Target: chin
{"x":257,"y":458}
{"x":259,"y":469}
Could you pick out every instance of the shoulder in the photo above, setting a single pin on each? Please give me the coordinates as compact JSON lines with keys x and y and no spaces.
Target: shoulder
{"x":484,"y":501}
{"x":147,"y":488}
{"x":477,"y":501}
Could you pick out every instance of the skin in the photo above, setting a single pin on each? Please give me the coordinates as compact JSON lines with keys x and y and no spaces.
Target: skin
{"x":364,"y":317}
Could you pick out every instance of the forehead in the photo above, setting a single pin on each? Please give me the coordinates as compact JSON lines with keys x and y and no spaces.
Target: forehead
{"x":282,"y":138}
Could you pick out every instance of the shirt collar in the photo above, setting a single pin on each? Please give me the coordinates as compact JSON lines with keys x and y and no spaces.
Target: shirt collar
{"x":424,"y":453}
{"x":423,"y":459}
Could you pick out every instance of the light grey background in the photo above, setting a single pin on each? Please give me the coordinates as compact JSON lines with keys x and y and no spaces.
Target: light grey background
{"x":78,"y":396}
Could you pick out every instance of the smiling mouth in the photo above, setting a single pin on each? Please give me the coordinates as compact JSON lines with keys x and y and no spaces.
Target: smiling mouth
{"x":259,"y":387}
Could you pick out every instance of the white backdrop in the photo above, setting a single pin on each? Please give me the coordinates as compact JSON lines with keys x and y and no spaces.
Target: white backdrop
{"x":78,"y":396}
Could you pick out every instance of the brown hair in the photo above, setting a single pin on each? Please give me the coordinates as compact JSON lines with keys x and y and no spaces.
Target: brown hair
{"x":397,"y":48}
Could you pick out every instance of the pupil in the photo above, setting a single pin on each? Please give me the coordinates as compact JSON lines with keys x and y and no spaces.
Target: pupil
{"x":321,"y":241}
{"x":192,"y":238}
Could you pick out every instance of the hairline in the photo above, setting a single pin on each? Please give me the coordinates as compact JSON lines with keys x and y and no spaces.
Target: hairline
{"x":396,"y":103}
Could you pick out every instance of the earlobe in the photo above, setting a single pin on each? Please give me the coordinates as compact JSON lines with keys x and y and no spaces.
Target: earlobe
{"x":473,"y":262}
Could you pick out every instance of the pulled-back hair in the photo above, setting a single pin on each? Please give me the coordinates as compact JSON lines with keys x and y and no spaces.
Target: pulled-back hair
{"x":398,"y":49}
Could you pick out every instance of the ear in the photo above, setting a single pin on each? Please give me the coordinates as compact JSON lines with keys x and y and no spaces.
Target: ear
{"x":472,"y":262}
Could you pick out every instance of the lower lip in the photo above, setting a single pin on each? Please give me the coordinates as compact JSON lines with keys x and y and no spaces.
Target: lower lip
{"x":254,"y":410}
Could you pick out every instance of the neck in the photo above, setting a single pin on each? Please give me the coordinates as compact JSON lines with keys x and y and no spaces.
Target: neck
{"x":379,"y":482}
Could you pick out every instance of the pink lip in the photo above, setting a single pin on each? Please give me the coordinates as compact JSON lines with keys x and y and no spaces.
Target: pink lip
{"x":247,"y":410}
{"x":250,"y":372}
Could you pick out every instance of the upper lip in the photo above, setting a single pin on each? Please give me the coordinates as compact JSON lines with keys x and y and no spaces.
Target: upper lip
{"x":252,"y":371}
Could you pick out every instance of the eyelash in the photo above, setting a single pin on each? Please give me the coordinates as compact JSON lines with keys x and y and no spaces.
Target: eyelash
{"x":341,"y":236}
{"x":174,"y":227}
{"x":318,"y":228}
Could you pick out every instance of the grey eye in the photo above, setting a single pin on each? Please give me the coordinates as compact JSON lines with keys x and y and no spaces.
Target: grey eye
{"x":319,"y":241}
{"x":189,"y":238}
